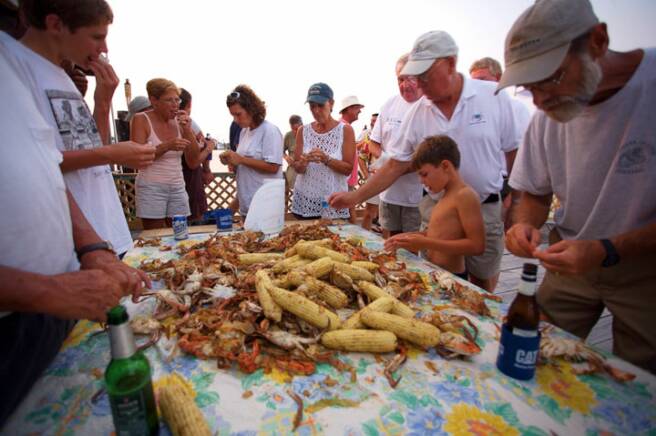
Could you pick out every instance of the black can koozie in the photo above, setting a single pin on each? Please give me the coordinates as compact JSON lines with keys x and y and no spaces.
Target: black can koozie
{"x":518,"y":354}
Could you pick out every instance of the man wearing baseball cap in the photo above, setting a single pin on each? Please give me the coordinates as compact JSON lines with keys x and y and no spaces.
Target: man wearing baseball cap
{"x":483,"y":126}
{"x":592,"y":145}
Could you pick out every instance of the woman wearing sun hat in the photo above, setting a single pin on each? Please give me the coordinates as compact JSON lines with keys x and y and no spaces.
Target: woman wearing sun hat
{"x":323,"y":157}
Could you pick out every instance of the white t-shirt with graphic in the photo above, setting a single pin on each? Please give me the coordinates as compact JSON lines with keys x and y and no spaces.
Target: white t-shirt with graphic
{"x":36,"y":235}
{"x":601,"y":165}
{"x":407,"y":189}
{"x":262,"y":143}
{"x":63,"y":107}
{"x":483,"y":125}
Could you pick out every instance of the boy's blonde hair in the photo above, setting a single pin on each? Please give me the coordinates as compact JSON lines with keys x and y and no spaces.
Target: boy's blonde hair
{"x":434,"y":149}
{"x":157,"y":87}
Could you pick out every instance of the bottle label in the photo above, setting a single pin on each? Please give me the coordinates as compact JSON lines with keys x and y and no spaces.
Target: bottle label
{"x":518,"y":353}
{"x":130,"y":411}
{"x":526,"y":288}
{"x":524,"y":333}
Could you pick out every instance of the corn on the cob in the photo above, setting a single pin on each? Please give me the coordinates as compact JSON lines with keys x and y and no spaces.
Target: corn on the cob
{"x":181,"y":413}
{"x":365,"y":341}
{"x":374,"y":292}
{"x":319,"y":267}
{"x":263,"y":286}
{"x":327,"y":242}
{"x":369,"y":266}
{"x":311,"y":251}
{"x":355,"y":272}
{"x":327,"y":292}
{"x":289,"y":263}
{"x":418,"y":332}
{"x":383,"y":304}
{"x":251,"y":258}
{"x":305,"y":309}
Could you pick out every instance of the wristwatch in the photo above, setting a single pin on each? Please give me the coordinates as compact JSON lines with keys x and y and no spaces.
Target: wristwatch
{"x":103,"y":245}
{"x":612,"y":256}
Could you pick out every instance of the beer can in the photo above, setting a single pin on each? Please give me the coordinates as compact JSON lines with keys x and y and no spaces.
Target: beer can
{"x":180,"y":230}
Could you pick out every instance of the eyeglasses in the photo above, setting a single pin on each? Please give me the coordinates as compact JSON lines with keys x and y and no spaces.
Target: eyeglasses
{"x":172,"y":100}
{"x":543,"y":85}
{"x":423,"y":77}
{"x":234,"y":96}
{"x":412,"y":80}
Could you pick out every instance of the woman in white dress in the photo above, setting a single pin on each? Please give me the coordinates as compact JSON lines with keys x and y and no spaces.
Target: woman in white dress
{"x":323,"y":158}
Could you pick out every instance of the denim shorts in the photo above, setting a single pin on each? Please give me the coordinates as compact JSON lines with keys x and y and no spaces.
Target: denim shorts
{"x":161,"y":200}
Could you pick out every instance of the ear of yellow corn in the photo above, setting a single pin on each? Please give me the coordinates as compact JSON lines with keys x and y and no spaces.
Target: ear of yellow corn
{"x":369,"y":266}
{"x":327,"y":242}
{"x":383,"y":304}
{"x":181,"y":413}
{"x":251,"y":258}
{"x":263,"y":285}
{"x":283,"y":265}
{"x":355,"y":272}
{"x":374,"y":292}
{"x":365,"y":341}
{"x":311,"y":251}
{"x":305,"y":309}
{"x":319,"y":267}
{"x":327,"y":292}
{"x":418,"y":332}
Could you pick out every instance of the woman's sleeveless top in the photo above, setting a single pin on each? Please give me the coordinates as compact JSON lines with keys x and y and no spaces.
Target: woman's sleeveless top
{"x":319,"y":181}
{"x":165,"y":169}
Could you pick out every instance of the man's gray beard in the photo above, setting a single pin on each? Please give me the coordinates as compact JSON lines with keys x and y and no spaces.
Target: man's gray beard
{"x":567,"y":108}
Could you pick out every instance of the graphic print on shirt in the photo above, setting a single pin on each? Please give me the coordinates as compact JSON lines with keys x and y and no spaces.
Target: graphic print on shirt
{"x":74,"y":121}
{"x":635,"y":157}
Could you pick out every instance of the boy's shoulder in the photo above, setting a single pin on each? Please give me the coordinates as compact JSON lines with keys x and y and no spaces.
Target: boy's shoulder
{"x":466,"y":193}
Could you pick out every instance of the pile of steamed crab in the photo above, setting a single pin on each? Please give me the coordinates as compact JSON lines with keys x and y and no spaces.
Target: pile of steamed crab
{"x":211,"y":305}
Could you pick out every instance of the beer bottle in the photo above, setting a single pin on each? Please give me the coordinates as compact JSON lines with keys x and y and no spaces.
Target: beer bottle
{"x":128,"y":91}
{"x":128,"y":382}
{"x":520,"y":338}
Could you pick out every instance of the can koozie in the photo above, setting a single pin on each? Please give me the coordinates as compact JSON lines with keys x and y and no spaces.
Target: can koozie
{"x":518,"y":354}
{"x":223,"y":220}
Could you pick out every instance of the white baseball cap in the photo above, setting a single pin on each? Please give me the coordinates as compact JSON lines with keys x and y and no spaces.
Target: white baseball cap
{"x":428,"y":47}
{"x":349,"y":101}
{"x":539,"y":40}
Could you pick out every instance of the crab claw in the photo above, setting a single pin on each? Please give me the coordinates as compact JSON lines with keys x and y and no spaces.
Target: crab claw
{"x":458,"y":344}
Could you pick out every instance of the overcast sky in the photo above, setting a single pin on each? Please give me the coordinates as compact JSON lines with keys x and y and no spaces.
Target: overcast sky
{"x":281,"y":47}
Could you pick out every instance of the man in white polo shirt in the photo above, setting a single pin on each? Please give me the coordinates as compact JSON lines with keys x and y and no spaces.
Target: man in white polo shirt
{"x":482,"y":125}
{"x":399,"y":211}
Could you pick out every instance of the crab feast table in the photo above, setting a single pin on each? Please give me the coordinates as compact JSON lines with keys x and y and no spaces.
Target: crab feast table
{"x":434,"y":396}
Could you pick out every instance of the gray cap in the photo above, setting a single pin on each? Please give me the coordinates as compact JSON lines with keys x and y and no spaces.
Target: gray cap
{"x":540,"y":39}
{"x":137,"y":104}
{"x":428,"y":47}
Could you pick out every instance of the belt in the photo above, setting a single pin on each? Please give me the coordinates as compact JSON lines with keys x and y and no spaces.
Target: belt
{"x":492,"y":198}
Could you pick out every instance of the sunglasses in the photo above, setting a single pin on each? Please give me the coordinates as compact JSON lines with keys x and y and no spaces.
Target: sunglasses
{"x":234,"y":96}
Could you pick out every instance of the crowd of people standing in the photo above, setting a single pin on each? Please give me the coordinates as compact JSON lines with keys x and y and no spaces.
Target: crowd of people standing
{"x":444,"y":146}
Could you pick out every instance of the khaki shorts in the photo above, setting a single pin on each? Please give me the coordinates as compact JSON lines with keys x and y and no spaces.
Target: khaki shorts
{"x":161,"y":200}
{"x":488,"y":264}
{"x":575,"y":303}
{"x":397,"y":218}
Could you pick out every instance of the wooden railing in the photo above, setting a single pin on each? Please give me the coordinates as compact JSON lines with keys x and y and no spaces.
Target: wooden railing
{"x":220,"y":193}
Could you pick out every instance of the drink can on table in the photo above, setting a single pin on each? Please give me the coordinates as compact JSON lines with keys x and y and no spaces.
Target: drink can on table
{"x":223,"y":220}
{"x":180,"y":230}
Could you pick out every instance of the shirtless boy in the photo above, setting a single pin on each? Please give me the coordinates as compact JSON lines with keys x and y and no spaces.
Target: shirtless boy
{"x":455,"y":229}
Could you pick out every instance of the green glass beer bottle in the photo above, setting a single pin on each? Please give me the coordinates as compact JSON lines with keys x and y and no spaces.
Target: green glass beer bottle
{"x":128,"y":382}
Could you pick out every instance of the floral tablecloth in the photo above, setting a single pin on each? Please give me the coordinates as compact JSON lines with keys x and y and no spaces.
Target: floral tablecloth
{"x":434,"y":396}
